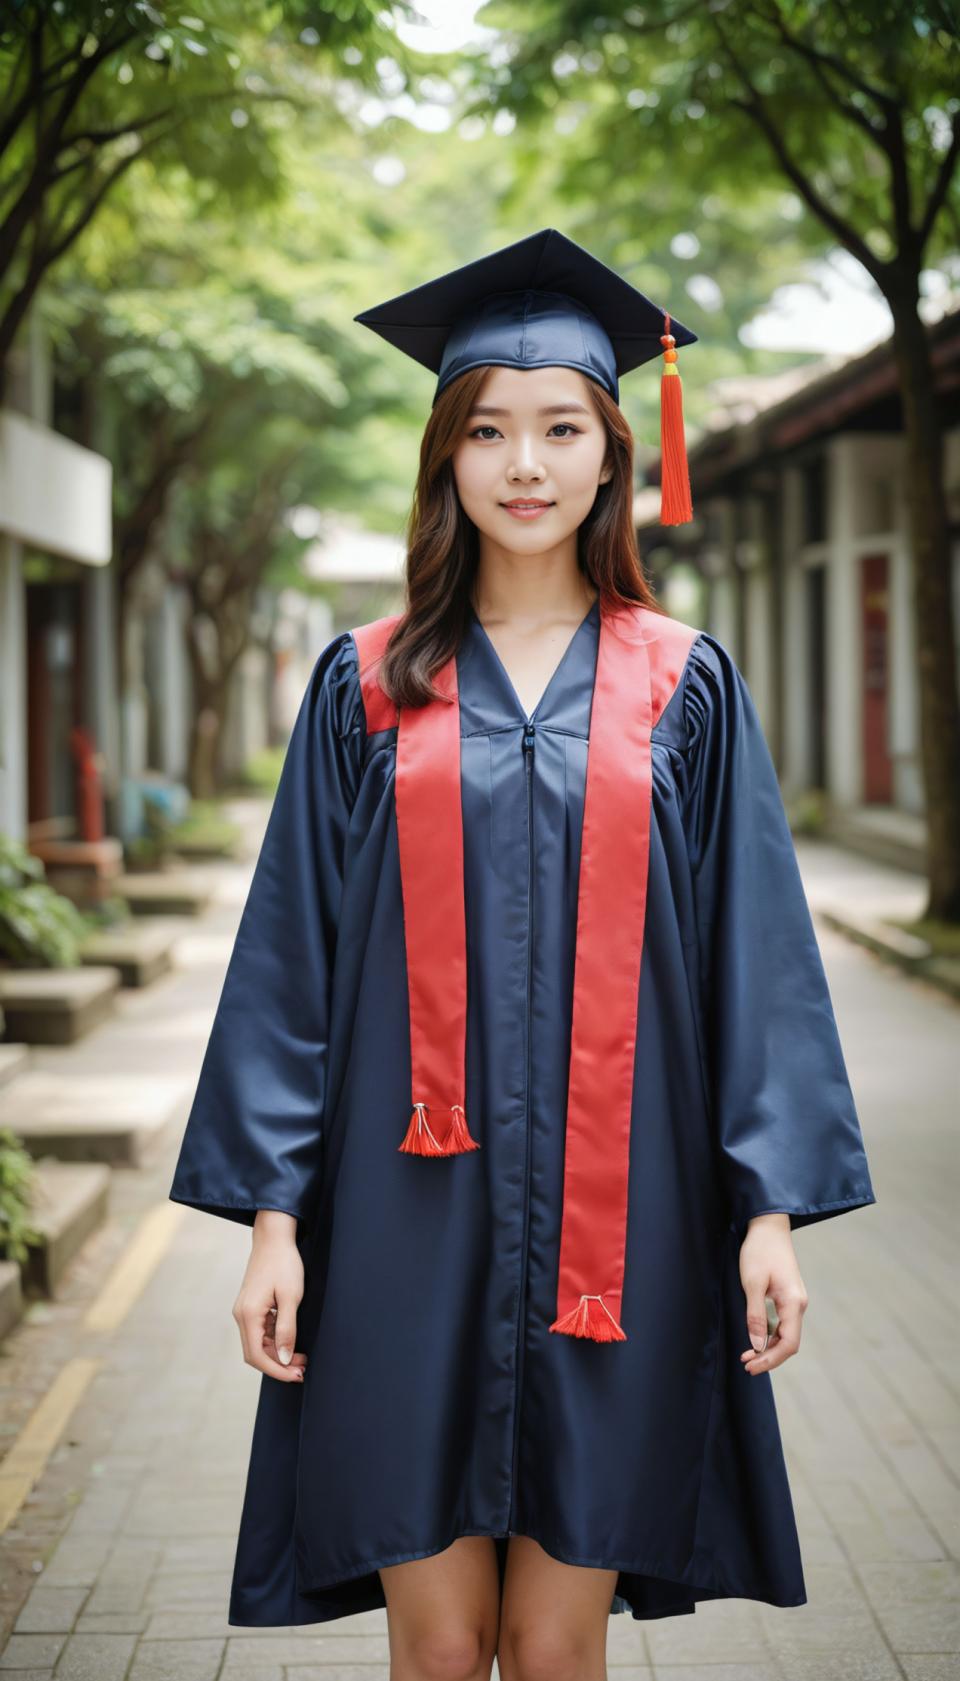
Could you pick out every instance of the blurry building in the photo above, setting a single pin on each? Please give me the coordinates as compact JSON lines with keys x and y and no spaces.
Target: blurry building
{"x":58,"y":726}
{"x":801,"y":547}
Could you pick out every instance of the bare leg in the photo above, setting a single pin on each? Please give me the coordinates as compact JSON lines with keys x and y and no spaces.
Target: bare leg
{"x":553,"y":1617}
{"x":443,"y":1613}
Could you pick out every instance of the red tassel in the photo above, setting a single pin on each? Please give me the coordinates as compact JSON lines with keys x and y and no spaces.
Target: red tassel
{"x":589,"y":1320}
{"x":459,"y":1138}
{"x":675,"y":504}
{"x":420,"y":1141}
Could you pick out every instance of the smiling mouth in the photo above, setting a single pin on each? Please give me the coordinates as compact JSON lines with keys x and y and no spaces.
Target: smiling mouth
{"x":527,"y":504}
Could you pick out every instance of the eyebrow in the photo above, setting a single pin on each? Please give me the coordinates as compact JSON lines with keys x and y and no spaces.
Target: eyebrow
{"x":554,"y":408}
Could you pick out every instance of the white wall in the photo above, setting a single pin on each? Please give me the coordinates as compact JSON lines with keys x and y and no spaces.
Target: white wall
{"x":797,"y":760}
{"x":753,"y":557}
{"x":54,"y":493}
{"x":13,"y":692}
{"x":172,"y":702}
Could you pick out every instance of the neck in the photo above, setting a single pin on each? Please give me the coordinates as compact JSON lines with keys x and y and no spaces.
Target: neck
{"x":527,"y":589}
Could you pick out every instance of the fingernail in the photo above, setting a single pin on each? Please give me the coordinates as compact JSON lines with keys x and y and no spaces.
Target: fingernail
{"x":284,"y":1354}
{"x":757,"y":1341}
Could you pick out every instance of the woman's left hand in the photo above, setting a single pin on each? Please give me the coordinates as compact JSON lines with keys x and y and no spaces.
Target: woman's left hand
{"x":768,"y":1267}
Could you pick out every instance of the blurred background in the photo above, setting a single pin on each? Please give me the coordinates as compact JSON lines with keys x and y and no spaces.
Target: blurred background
{"x":205,"y":472}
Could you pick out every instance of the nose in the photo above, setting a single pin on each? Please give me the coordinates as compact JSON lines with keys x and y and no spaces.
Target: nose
{"x":525,"y":464}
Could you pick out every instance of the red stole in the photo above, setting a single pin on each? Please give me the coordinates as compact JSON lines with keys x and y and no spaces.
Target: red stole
{"x":640,"y":658}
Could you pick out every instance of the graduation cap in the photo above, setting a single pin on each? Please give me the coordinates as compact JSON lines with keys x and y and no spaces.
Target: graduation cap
{"x":546,"y":302}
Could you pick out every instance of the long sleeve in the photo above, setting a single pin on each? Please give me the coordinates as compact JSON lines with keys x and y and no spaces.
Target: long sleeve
{"x":788,"y":1133}
{"x":254,"y":1133}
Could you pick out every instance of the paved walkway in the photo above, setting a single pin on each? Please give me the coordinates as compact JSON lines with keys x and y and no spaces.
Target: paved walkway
{"x":118,"y":1563}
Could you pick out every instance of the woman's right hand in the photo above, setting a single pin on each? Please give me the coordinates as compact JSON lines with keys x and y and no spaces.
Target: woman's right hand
{"x":271,"y":1292}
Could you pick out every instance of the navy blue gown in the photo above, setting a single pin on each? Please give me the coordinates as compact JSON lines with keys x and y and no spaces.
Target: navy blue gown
{"x":435,"y":1402}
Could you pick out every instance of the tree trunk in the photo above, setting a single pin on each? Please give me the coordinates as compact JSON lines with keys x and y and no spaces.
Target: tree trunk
{"x":205,"y":733}
{"x":934,"y":616}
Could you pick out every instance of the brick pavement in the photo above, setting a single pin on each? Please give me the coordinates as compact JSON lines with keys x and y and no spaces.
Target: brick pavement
{"x":118,"y":1564}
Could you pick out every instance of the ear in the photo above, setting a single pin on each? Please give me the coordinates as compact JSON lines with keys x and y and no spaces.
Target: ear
{"x":606,"y":473}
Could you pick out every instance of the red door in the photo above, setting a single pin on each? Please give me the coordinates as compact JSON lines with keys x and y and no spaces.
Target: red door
{"x":877,"y":776}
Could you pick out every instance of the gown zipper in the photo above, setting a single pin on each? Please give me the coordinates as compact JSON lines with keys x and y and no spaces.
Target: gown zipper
{"x":528,"y":738}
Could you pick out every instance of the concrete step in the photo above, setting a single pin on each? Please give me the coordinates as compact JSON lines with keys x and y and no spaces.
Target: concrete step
{"x":945,"y":972}
{"x":56,"y":1006}
{"x":106,"y":1117}
{"x":205,"y":851}
{"x":13,"y":1060}
{"x":181,"y":892}
{"x":70,"y":1200}
{"x":85,"y":871}
{"x":911,"y":953}
{"x":882,"y":833}
{"x":140,"y":950}
{"x":878,"y":936}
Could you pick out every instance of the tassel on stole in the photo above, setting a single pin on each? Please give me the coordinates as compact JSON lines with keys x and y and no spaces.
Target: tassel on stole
{"x":589,"y":1320}
{"x":421,"y":1141}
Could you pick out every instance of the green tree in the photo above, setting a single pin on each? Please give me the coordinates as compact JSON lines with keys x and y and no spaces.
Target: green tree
{"x":214,"y":367}
{"x":89,"y":89}
{"x":854,"y":106}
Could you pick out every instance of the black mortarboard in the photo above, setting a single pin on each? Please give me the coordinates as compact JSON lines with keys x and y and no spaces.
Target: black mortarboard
{"x":544,"y":302}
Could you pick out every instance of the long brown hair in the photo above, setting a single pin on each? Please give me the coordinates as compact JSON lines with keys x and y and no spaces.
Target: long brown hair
{"x":443,"y":547}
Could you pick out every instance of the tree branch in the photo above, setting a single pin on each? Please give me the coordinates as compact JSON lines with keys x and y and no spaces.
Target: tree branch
{"x":941,"y":186}
{"x":102,"y":136}
{"x":817,"y":61}
{"x":113,"y":175}
{"x":33,"y":51}
{"x":23,"y":209}
{"x":830,"y":61}
{"x":170,"y":455}
{"x":900,"y":185}
{"x":755,"y":108}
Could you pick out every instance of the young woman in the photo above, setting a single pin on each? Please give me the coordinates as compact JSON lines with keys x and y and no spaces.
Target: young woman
{"x":525,"y":1067}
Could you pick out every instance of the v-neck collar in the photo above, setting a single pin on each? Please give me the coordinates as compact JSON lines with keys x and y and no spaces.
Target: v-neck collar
{"x":504,"y":675}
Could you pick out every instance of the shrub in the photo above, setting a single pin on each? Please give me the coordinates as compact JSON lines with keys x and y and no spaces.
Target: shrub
{"x":16,"y":1176}
{"x":39,"y":927}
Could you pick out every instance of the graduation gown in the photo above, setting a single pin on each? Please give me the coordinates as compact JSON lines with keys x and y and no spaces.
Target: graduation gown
{"x":436,"y":1401}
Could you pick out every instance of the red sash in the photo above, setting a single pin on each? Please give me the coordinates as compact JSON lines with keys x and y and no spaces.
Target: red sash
{"x":640,"y":658}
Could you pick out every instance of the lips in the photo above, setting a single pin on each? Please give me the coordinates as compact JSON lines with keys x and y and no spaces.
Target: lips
{"x":526,"y":511}
{"x":527,"y":502}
